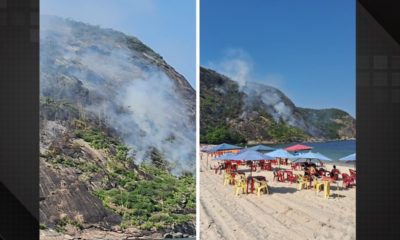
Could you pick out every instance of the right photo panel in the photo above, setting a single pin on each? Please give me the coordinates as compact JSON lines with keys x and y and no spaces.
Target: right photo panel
{"x":277,"y":120}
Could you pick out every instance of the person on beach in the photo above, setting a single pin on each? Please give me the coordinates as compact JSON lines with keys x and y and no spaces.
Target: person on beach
{"x":313,"y":171}
{"x":334,"y":173}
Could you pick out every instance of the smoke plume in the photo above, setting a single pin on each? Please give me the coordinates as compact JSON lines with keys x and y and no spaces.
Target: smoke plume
{"x":125,"y":88}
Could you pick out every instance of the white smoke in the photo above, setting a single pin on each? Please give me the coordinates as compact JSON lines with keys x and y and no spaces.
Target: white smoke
{"x":239,"y":66}
{"x":132,"y":95}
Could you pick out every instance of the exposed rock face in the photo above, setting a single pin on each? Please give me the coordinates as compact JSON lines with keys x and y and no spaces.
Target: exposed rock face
{"x":63,"y":195}
{"x":262,"y":113}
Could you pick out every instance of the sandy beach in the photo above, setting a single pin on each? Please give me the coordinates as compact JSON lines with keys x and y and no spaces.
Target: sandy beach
{"x":284,"y":213}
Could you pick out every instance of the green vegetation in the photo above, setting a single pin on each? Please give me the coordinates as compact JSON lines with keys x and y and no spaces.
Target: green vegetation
{"x":222,"y":134}
{"x":220,"y":99}
{"x":157,"y":202}
{"x":327,"y":119}
{"x":284,"y":133}
{"x":61,"y":225}
{"x":42,"y":227}
{"x":146,"y":196}
{"x":95,"y":137}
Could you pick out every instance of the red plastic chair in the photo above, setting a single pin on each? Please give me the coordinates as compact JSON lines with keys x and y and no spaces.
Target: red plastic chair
{"x":267,"y":166}
{"x":293,"y":166}
{"x":254,"y":167}
{"x":291,"y":177}
{"x":353,"y":174}
{"x":261,"y":163}
{"x":280,"y":176}
{"x":347,"y":180}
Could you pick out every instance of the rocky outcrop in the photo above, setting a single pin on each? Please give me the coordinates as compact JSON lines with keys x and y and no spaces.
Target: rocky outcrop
{"x":64,"y":197}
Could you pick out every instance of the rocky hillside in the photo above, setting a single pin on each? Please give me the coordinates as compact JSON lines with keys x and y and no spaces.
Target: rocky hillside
{"x":117,"y":135}
{"x":259,"y":113}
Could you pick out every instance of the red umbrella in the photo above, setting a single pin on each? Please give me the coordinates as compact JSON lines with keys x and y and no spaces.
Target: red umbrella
{"x":298,"y":147}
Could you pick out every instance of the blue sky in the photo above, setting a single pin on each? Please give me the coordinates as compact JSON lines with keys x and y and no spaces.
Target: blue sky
{"x":168,"y":27}
{"x":304,"y":48}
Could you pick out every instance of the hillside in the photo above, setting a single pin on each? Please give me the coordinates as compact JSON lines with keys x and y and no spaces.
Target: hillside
{"x":260,"y":113}
{"x":117,"y":135}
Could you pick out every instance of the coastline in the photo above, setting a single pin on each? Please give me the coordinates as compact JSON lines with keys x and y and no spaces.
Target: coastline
{"x":315,"y":140}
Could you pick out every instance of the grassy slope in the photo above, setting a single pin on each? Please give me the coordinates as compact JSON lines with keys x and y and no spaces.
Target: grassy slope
{"x":146,"y":195}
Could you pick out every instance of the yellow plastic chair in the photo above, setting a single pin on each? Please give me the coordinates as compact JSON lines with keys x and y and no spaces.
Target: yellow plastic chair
{"x":327,"y":189}
{"x":227,"y":178}
{"x":262,"y":186}
{"x":240,"y":185}
{"x":317,"y":185}
{"x":303,"y":182}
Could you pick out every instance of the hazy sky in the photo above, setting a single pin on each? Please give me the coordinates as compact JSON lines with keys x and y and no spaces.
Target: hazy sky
{"x":305,"y":48}
{"x":168,"y":27}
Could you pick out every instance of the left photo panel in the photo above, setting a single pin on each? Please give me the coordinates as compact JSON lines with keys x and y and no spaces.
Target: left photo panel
{"x":117,"y":119}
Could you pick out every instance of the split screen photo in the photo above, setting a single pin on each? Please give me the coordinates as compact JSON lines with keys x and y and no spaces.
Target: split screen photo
{"x":197,"y":119}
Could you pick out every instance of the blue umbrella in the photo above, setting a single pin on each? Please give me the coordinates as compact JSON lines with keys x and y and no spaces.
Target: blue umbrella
{"x":226,"y":156}
{"x":351,"y":157}
{"x":250,"y":155}
{"x":222,"y":147}
{"x":312,"y":155}
{"x":302,"y":157}
{"x":280,"y":153}
{"x":262,"y":148}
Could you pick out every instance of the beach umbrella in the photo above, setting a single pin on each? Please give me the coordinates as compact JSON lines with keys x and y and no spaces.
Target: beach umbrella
{"x":224,"y":157}
{"x":312,"y":155}
{"x":262,"y":148}
{"x":223,"y":147}
{"x":302,"y":157}
{"x":206,"y":148}
{"x":298,"y":147}
{"x":280,"y":153}
{"x":250,"y":155}
{"x":351,"y":157}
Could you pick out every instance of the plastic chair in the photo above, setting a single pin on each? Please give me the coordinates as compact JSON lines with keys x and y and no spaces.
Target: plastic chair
{"x":303,"y":182}
{"x":347,"y":180}
{"x":262,"y":186}
{"x":227,"y":178}
{"x":317,"y":185}
{"x":291,"y":177}
{"x":240,"y":185}
{"x":280,"y":176}
{"x":353,"y":174}
{"x":327,"y":189}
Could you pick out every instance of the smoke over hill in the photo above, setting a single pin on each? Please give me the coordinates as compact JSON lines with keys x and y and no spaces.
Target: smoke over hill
{"x":121,"y":83}
{"x":251,"y":111}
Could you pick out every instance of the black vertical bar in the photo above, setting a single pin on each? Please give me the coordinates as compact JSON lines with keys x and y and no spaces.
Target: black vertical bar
{"x":19,"y":119}
{"x":378,"y":119}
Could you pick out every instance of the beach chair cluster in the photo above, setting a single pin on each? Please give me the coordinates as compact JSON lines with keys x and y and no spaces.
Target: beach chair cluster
{"x":324,"y":182}
{"x":320,"y":182}
{"x":245,"y":185}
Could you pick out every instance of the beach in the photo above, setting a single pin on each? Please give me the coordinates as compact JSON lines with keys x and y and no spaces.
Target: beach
{"x":284,"y":213}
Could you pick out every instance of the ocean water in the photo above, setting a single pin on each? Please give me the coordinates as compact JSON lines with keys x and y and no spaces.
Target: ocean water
{"x":331,"y":149}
